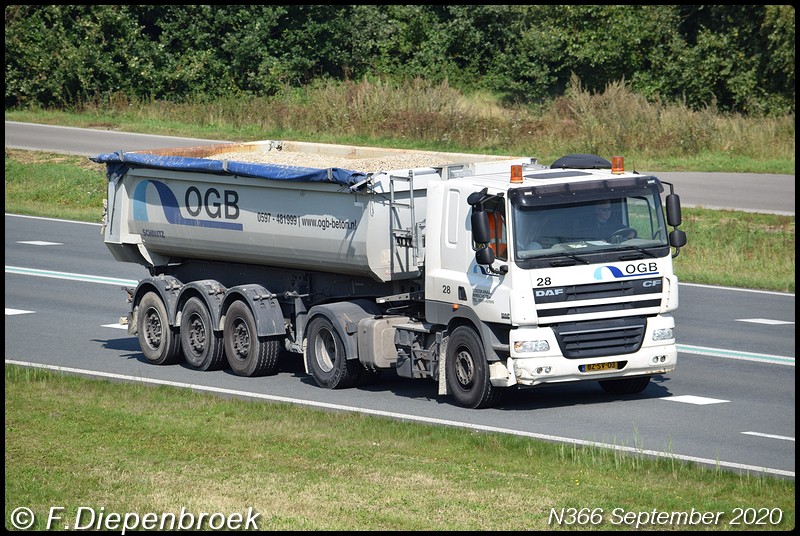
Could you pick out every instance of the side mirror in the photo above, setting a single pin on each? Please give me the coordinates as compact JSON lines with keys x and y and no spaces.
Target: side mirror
{"x":677,"y":238}
{"x":480,"y":227}
{"x":485,"y":256}
{"x":673,"y":210}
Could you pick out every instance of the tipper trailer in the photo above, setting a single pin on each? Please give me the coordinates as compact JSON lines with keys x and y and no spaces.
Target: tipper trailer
{"x":479,"y":272}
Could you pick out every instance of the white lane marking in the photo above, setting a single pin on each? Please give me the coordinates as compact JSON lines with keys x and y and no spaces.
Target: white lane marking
{"x":70,"y":276}
{"x":733,"y":354}
{"x":39,"y":243}
{"x":735,"y":289}
{"x":414,"y":418}
{"x":53,"y":219}
{"x":10,"y":312}
{"x":115,"y":326}
{"x":697,"y":400}
{"x":700,"y":350}
{"x":771,"y":436}
{"x":766,"y":321}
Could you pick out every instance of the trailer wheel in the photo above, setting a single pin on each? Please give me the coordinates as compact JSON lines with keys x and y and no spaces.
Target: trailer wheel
{"x":202,"y":348}
{"x":159,"y":343}
{"x":327,"y":361}
{"x":248,"y":354}
{"x":467,"y":371}
{"x":625,"y":386}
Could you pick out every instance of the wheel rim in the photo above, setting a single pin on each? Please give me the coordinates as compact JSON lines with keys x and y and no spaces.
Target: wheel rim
{"x":197,"y":336}
{"x":464,"y":368}
{"x":325,"y":350}
{"x":153,"y":329}
{"x":241,"y":340}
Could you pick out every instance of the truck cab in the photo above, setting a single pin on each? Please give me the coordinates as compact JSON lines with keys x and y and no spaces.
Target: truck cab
{"x":568,"y":278}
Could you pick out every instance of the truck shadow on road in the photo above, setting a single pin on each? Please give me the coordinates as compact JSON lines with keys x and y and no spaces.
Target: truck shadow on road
{"x":541,"y":397}
{"x":587,"y":393}
{"x":126,"y":344}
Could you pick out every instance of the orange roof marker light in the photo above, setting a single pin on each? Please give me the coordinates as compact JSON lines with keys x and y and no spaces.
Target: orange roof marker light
{"x":516,"y":173}
{"x":617,"y":165}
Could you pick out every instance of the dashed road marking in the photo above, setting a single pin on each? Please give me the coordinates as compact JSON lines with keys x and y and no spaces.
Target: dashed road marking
{"x":771,"y":436}
{"x":697,"y":400}
{"x":767,"y":321}
{"x":39,"y":243}
{"x":10,"y":312}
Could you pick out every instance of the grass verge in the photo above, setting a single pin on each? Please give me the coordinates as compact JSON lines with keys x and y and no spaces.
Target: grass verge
{"x":125,"y":448}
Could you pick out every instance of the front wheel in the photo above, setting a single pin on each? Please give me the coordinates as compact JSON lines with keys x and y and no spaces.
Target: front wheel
{"x":327,"y":359}
{"x":467,"y":371}
{"x":248,"y":354}
{"x":625,"y":386}
{"x":160,"y":344}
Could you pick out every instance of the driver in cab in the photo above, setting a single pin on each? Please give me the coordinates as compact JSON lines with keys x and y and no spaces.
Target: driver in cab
{"x":605,"y":227}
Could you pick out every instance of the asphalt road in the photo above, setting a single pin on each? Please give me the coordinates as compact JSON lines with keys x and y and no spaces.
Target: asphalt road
{"x":730,"y":403}
{"x":752,"y":192}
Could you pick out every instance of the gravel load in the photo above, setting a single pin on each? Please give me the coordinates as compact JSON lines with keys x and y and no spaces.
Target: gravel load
{"x":312,"y":160}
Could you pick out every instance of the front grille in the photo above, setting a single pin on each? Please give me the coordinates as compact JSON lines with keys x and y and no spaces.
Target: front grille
{"x":579,"y":340}
{"x":601,"y":308}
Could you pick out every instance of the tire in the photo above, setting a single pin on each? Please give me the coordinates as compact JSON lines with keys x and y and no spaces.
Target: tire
{"x":248,"y":354}
{"x":326,"y":357}
{"x":160,"y":344}
{"x":202,"y":348}
{"x":625,"y":386}
{"x":467,"y":371}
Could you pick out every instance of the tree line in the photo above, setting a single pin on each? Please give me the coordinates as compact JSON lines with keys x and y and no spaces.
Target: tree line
{"x":733,"y":58}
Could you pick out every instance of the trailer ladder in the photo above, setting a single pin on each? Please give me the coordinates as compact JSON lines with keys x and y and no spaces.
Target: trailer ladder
{"x":402,"y":237}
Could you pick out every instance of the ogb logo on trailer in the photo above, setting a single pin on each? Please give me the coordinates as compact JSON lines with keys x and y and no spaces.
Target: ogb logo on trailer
{"x":196,"y":204}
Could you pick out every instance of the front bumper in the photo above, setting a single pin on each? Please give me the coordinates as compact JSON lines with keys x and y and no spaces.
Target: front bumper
{"x":653,"y":357}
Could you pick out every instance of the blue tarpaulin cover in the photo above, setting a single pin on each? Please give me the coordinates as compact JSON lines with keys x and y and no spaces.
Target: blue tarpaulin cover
{"x":117,"y":164}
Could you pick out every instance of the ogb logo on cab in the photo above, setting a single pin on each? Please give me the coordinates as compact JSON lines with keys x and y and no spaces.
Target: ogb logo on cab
{"x":641,"y":268}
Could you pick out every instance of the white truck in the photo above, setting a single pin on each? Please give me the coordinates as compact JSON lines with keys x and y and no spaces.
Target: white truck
{"x":478,"y":272}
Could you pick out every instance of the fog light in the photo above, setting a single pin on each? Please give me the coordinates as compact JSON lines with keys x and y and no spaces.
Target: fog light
{"x":663,"y":334}
{"x":543,"y":370}
{"x":531,"y":346}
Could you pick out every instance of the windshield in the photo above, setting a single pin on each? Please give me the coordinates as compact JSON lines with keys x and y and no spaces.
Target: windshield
{"x":606,"y":222}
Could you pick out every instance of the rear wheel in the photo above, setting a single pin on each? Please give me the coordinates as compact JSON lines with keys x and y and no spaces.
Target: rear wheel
{"x":202,"y":348}
{"x":160,"y":344}
{"x":625,"y":386}
{"x":327,"y":359}
{"x":248,"y":354}
{"x":467,"y":371}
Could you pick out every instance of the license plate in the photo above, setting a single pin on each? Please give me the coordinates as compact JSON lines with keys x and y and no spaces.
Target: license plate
{"x":599,"y":367}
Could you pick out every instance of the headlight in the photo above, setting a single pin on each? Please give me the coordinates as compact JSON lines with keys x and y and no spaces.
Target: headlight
{"x":663,"y":334}
{"x":531,"y":346}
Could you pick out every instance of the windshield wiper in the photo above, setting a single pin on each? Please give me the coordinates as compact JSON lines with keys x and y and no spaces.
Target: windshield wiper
{"x":637,"y":248}
{"x":564,"y":262}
